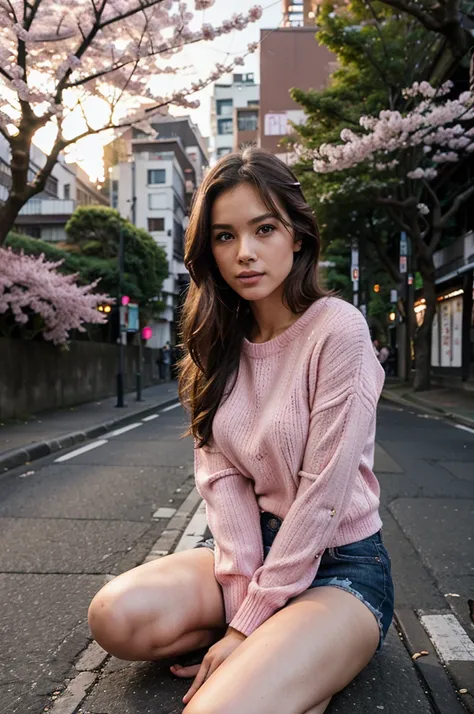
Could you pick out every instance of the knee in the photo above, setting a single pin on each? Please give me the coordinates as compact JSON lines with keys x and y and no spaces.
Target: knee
{"x":111,"y":622}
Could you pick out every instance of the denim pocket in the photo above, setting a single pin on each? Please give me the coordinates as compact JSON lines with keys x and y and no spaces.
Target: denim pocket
{"x":362,"y":551}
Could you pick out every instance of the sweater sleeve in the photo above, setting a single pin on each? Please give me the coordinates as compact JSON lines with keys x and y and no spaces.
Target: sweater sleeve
{"x":345,"y":381}
{"x":233,"y":516}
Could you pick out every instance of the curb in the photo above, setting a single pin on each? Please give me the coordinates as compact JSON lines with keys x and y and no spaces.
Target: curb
{"x":443,"y":681}
{"x":92,"y":661}
{"x":17,"y":457}
{"x":409,"y":401}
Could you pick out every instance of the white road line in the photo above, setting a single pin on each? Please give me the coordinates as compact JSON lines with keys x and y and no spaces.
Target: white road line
{"x":151,"y":417}
{"x":82,"y":450}
{"x":173,"y":406}
{"x":194,"y":531}
{"x":164,"y":513}
{"x":464,"y":428}
{"x":449,"y":638}
{"x":117,"y":432}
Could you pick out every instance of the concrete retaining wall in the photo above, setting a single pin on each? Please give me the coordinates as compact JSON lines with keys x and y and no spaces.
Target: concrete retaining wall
{"x":37,"y":376}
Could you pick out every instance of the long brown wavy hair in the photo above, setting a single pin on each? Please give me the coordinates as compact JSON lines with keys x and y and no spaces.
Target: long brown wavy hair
{"x":215,"y":319}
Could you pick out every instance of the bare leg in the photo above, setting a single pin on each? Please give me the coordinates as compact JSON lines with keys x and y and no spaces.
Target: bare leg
{"x":161,"y":609}
{"x":296,"y":660}
{"x":320,"y":708}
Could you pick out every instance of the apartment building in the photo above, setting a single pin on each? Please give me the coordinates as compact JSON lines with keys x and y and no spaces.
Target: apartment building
{"x":46,"y":214}
{"x":240,"y":92}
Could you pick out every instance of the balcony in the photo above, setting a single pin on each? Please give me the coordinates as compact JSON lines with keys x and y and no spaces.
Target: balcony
{"x":48,"y":207}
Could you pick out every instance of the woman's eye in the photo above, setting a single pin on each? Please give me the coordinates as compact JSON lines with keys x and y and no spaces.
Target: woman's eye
{"x":224,"y":237}
{"x":266,"y":229}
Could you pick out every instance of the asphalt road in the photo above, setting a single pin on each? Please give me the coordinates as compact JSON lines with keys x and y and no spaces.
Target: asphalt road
{"x":68,"y":526}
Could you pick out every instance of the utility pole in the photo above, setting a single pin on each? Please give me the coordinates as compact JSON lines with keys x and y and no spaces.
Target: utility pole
{"x":122,"y":325}
{"x":406,"y":269}
{"x":138,"y":374}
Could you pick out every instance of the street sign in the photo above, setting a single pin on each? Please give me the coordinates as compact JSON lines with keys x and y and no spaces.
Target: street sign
{"x":403,"y":264}
{"x":133,"y":322}
{"x":355,"y":274}
{"x":393,"y":296}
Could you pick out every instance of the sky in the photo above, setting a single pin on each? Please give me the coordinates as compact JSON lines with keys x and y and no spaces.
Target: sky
{"x":197,"y":61}
{"x":206,"y":54}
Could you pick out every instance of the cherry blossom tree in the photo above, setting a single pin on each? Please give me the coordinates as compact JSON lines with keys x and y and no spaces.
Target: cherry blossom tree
{"x":34,"y":294}
{"x":58,"y":55}
{"x":403,"y":161}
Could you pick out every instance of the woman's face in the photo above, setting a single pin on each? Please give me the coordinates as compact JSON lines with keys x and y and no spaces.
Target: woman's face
{"x":253,"y":250}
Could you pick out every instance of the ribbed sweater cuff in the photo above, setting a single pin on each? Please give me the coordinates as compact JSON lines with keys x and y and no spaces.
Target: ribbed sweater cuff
{"x":234,"y":591}
{"x":253,"y":612}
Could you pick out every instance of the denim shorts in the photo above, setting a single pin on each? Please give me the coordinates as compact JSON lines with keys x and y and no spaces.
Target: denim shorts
{"x":361,"y":568}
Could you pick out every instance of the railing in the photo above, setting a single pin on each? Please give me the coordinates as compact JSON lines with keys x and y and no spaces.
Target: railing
{"x":48,"y":207}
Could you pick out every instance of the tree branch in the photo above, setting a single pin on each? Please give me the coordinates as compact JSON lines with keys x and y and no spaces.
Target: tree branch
{"x":456,"y":204}
{"x":425,"y":18}
{"x":5,"y":74}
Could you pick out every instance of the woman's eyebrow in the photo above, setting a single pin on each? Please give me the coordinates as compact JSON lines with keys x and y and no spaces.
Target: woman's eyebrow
{"x":250,"y":223}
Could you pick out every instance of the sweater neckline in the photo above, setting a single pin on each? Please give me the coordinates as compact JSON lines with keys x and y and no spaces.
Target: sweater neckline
{"x":270,"y":347}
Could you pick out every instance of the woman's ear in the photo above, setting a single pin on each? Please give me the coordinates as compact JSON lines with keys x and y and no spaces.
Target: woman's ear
{"x":297,"y":245}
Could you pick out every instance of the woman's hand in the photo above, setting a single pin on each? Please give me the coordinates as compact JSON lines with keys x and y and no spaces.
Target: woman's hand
{"x":214,"y":657}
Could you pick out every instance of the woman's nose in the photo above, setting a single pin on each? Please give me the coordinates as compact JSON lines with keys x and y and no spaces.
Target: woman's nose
{"x":246,"y":250}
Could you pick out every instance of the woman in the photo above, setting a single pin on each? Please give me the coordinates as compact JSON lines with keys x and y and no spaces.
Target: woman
{"x":294,"y":596}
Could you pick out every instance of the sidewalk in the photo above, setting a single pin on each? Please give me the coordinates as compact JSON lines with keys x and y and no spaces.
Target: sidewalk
{"x":47,"y":432}
{"x":456,"y":405}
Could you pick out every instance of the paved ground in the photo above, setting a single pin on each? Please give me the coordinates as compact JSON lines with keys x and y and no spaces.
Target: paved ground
{"x":68,"y":526}
{"x":457,"y":404}
{"x":18,"y":433}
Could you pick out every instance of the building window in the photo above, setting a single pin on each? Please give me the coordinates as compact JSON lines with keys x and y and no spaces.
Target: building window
{"x":51,"y":186}
{"x":114,"y":194}
{"x":156,"y":176}
{"x":223,"y":150}
{"x":224,"y":107}
{"x":156,"y":225}
{"x":178,"y":241}
{"x":224,"y":126}
{"x":248,"y":121}
{"x":253,"y":103}
{"x":160,"y":155}
{"x":67,"y":191}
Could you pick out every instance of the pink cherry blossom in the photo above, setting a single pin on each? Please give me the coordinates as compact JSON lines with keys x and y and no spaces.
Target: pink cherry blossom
{"x":119,"y":59}
{"x":29,"y":284}
{"x":435,"y":123}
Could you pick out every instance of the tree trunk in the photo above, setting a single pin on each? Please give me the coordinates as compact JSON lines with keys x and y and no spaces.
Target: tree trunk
{"x":8,"y":213}
{"x":423,"y":333}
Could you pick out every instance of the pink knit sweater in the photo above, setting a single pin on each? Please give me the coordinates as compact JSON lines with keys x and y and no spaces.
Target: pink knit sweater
{"x":295,"y":437}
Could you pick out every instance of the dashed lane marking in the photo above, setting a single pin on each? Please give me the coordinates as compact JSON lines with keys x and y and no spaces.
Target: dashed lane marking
{"x":151,"y":417}
{"x":464,"y":428}
{"x":449,"y":638}
{"x":124,"y":429}
{"x":173,"y":406}
{"x":81,"y":450}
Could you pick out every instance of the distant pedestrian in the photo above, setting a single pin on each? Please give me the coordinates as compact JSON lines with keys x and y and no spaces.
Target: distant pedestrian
{"x":391,"y":363}
{"x":282,"y":389}
{"x":383,"y":356}
{"x":167,"y":360}
{"x":160,"y":363}
{"x":376,"y":345}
